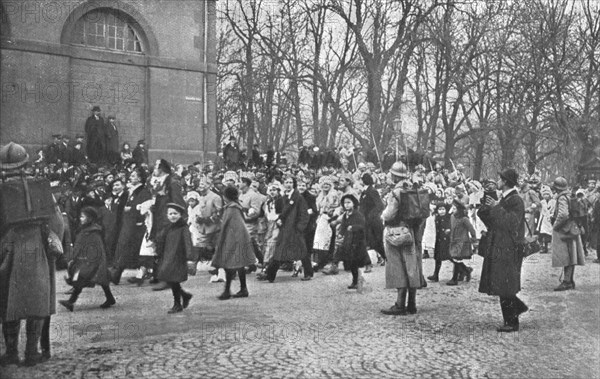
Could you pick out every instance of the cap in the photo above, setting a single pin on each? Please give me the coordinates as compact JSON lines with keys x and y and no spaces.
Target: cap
{"x":96,"y":108}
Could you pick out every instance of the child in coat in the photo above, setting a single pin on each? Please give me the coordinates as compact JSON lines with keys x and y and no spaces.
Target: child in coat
{"x":175,"y":250}
{"x":88,"y":266}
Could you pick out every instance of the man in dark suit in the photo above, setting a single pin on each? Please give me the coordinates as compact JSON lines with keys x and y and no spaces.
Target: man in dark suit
{"x":502,"y":249}
{"x":65,"y":150}
{"x":95,"y":136}
{"x":231,"y":154}
{"x":112,"y":141}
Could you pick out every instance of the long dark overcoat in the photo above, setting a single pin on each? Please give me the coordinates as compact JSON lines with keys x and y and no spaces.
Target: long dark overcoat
{"x":96,"y":139}
{"x":442,"y":239}
{"x":89,"y":257}
{"x":353,"y":251}
{"x":501,"y":270}
{"x":234,"y":248}
{"x":175,"y":249}
{"x":291,"y":245}
{"x":371,"y":207}
{"x":132,"y":230}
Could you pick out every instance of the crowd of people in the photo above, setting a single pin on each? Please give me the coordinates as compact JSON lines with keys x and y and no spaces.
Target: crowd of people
{"x":162,"y":219}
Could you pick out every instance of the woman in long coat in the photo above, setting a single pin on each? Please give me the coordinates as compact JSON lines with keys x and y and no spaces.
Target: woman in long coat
{"x":291,"y":245}
{"x":234,"y":250}
{"x":327,"y":201}
{"x":88,"y":267}
{"x":133,"y":227}
{"x":371,"y":207}
{"x":566,"y":253}
{"x":353,"y":251}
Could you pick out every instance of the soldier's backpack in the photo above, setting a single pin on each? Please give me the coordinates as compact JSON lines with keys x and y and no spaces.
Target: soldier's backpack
{"x":25,"y":200}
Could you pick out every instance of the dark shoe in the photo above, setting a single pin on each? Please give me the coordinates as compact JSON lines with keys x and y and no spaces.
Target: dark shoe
{"x":508,"y":329}
{"x":186,"y":296}
{"x":154,"y":281}
{"x":295,"y":274}
{"x":67,"y":304}
{"x":433,"y":278}
{"x":394,"y":310}
{"x":261,"y":276}
{"x":46,"y":355}
{"x":32,"y":360}
{"x":161,"y":287}
{"x":242,"y":293}
{"x":224,"y":296}
{"x":108,"y":303}
{"x":564,"y":286}
{"x":452,"y":283}
{"x":353,"y":286}
{"x":176,"y":309}
{"x":250,"y":269}
{"x":9,"y":359}
{"x":411,"y":308}
{"x":306,"y":278}
{"x":523,"y":309}
{"x":468,"y":274}
{"x":426,"y":255}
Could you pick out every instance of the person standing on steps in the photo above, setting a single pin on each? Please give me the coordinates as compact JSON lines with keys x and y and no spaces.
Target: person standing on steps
{"x":234,"y":250}
{"x":501,"y":269}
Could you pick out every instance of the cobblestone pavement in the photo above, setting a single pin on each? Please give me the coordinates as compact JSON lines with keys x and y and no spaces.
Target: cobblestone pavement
{"x":319,"y":329}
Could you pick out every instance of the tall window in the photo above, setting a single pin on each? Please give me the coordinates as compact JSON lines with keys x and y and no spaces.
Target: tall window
{"x":107,"y":29}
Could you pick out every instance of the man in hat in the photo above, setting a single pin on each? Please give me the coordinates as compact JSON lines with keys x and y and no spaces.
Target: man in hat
{"x":52,"y":152}
{"x":140,"y":153}
{"x":501,"y":270}
{"x":95,"y":133}
{"x":231,"y":154}
{"x":26,"y":262}
{"x":112,"y":141}
{"x":251,"y":203}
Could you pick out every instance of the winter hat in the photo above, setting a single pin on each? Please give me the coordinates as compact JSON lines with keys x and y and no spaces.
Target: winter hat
{"x":367,"y":179}
{"x":192,"y":195}
{"x":352,"y":198}
{"x":91,"y":213}
{"x":179,"y":208}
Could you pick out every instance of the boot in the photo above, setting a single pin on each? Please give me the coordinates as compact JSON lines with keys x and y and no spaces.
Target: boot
{"x":110,"y":299}
{"x":436,"y":272}
{"x":412,"y":301}
{"x":564,"y":286}
{"x":186,"y":296}
{"x":33,"y":332}
{"x":11,"y":340}
{"x":398,"y":309}
{"x":454,"y":280}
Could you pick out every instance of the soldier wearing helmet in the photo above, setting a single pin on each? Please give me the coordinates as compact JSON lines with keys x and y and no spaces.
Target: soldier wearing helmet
{"x":404,"y":268}
{"x":30,"y":226}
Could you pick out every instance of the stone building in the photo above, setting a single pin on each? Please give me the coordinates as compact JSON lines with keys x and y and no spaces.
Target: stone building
{"x":150,"y":63}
